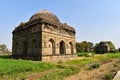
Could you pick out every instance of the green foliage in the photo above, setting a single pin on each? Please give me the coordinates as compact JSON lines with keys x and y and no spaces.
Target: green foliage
{"x":111,"y":45}
{"x":108,"y":76}
{"x":14,"y":67}
{"x":84,"y":46}
{"x":4,"y":49}
{"x":5,"y":57}
{"x":94,"y":66}
{"x":116,"y":51}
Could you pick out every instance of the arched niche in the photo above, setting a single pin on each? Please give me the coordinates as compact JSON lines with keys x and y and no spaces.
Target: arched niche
{"x":52,"y":46}
{"x":24,"y":48}
{"x":34,"y":45}
{"x":16,"y":47}
{"x":62,"y":48}
{"x":71,"y":48}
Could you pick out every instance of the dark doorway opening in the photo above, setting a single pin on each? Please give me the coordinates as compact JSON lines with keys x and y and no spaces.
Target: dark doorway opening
{"x":62,"y":47}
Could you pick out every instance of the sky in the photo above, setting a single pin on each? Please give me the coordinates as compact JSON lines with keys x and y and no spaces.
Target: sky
{"x":93,"y":20}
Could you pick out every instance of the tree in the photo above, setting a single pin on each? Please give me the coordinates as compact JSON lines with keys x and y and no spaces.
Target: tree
{"x":3,"y":48}
{"x":111,"y":46}
{"x":84,"y":46}
{"x":90,"y":47}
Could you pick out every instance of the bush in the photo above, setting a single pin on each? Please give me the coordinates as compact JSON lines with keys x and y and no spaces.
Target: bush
{"x":93,"y":66}
{"x":5,"y":57}
{"x":108,"y":76}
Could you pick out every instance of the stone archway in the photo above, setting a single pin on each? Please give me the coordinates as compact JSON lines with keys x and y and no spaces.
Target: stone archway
{"x":62,"y":47}
{"x":71,"y":48}
{"x":52,"y":47}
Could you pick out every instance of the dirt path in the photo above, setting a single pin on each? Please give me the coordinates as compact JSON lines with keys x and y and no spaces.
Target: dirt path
{"x":84,"y":74}
{"x":95,"y":74}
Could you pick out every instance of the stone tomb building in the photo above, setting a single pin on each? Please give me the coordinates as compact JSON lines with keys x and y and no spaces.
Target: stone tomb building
{"x":44,"y":38}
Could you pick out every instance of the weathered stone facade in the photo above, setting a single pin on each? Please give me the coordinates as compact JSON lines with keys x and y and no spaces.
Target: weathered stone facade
{"x":43,"y":36}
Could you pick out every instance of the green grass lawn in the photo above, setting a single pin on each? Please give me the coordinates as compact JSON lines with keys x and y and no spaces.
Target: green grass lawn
{"x":11,"y":68}
{"x":95,"y":58}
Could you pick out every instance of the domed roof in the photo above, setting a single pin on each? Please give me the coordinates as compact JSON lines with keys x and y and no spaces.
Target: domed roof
{"x":104,"y":43}
{"x":44,"y":14}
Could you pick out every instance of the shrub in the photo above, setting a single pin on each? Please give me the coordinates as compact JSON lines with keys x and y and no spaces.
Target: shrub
{"x":93,"y":66}
{"x":5,"y":57}
{"x":108,"y":76}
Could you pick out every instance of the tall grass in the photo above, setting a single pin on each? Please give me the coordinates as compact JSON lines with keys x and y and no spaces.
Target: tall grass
{"x":73,"y":66}
{"x":113,"y":55}
{"x":81,"y":62}
{"x":16,"y":66}
{"x":101,"y":58}
{"x":59,"y":73}
{"x":8,"y":67}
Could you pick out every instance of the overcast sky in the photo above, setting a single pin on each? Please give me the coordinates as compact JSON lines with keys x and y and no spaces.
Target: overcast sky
{"x":94,"y":20}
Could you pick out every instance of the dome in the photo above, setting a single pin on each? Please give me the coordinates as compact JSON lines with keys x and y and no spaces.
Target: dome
{"x":103,"y":43}
{"x":46,"y":15}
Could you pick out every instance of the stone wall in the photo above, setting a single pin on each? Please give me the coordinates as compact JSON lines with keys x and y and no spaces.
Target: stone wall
{"x":57,"y":58}
{"x":51,"y":41}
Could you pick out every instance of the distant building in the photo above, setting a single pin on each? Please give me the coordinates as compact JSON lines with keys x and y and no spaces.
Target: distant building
{"x":102,"y":47}
{"x":43,"y":38}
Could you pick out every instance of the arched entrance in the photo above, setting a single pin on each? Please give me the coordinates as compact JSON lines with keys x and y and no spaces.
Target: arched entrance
{"x":34,"y":46}
{"x":62,"y":47}
{"x":24,"y":48}
{"x":52,"y":46}
{"x":71,"y":48}
{"x":16,"y":48}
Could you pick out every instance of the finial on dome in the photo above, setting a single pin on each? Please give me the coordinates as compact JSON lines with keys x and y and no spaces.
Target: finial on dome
{"x":44,"y":11}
